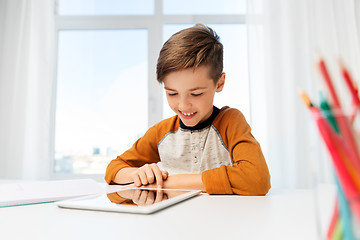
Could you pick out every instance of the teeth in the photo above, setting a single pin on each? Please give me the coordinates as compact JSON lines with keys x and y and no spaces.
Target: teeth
{"x":188,"y":114}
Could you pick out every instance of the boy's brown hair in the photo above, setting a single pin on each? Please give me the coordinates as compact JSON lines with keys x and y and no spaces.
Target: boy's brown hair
{"x":191,"y":48}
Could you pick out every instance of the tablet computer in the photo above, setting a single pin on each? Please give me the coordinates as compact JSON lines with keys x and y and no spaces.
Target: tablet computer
{"x":131,"y":200}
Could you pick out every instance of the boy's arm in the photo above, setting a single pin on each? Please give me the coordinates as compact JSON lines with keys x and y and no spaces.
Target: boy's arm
{"x":249,"y":175}
{"x":185,"y":181}
{"x":182,"y":181}
{"x":161,"y":179}
{"x":144,"y":151}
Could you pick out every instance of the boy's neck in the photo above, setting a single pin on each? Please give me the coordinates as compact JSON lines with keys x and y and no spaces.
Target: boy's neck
{"x":205,"y":123}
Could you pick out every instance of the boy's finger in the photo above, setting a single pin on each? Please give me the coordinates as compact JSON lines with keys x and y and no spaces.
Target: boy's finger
{"x":143,"y":177}
{"x":158,"y":175}
{"x":137,"y":181}
{"x":165,"y":174}
{"x":149,"y":174}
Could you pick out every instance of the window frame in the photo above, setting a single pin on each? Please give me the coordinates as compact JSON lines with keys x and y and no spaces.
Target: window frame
{"x":154,"y":25}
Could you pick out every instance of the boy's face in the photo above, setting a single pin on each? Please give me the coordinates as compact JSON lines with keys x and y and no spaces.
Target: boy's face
{"x":190,"y":94}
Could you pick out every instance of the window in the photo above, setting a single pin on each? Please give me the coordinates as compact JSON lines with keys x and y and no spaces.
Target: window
{"x":105,"y":7}
{"x":204,"y":7}
{"x":107,"y":93}
{"x":101,"y":82}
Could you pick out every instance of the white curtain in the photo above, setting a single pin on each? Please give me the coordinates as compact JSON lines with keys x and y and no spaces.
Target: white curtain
{"x":286,"y":39}
{"x":26,"y":87}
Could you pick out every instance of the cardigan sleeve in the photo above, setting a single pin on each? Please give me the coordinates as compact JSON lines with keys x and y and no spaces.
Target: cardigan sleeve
{"x":249,"y":174}
{"x":143,"y":151}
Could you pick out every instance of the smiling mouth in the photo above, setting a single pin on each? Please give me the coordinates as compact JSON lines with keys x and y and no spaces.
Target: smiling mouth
{"x":187,"y":114}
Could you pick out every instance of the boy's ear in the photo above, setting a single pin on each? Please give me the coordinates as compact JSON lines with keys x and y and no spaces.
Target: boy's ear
{"x":220,"y":83}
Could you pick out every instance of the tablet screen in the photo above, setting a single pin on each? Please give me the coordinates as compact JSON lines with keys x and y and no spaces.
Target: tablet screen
{"x":133,"y":200}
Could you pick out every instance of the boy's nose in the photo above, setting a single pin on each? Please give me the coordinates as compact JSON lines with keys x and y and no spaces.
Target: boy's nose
{"x":184,"y":103}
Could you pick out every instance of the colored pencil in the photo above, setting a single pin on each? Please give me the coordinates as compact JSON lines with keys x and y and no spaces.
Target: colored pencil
{"x":326,"y":76}
{"x":345,"y":213}
{"x":345,"y":128}
{"x":350,"y":84}
{"x":334,"y":220}
{"x":341,"y":147}
{"x":343,"y":144}
{"x":338,"y":231}
{"x":327,"y":134}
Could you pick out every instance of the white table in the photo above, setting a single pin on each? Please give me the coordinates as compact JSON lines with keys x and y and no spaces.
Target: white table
{"x":286,"y":214}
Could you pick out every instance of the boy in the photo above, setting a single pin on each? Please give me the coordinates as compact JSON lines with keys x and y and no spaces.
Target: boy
{"x":201,"y":147}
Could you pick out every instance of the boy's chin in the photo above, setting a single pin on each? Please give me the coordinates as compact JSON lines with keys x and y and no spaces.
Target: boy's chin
{"x":188,"y":123}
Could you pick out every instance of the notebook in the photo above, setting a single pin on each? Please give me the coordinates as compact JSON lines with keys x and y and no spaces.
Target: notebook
{"x":21,"y":193}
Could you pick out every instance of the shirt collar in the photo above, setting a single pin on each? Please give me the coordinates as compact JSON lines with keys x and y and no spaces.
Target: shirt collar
{"x":204,"y":124}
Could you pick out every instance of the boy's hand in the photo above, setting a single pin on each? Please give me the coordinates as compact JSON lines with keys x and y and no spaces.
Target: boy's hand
{"x":149,"y":174}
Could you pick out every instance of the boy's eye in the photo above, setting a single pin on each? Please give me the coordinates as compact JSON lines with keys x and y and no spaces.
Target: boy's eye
{"x":196,"y":94}
{"x":172,"y":94}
